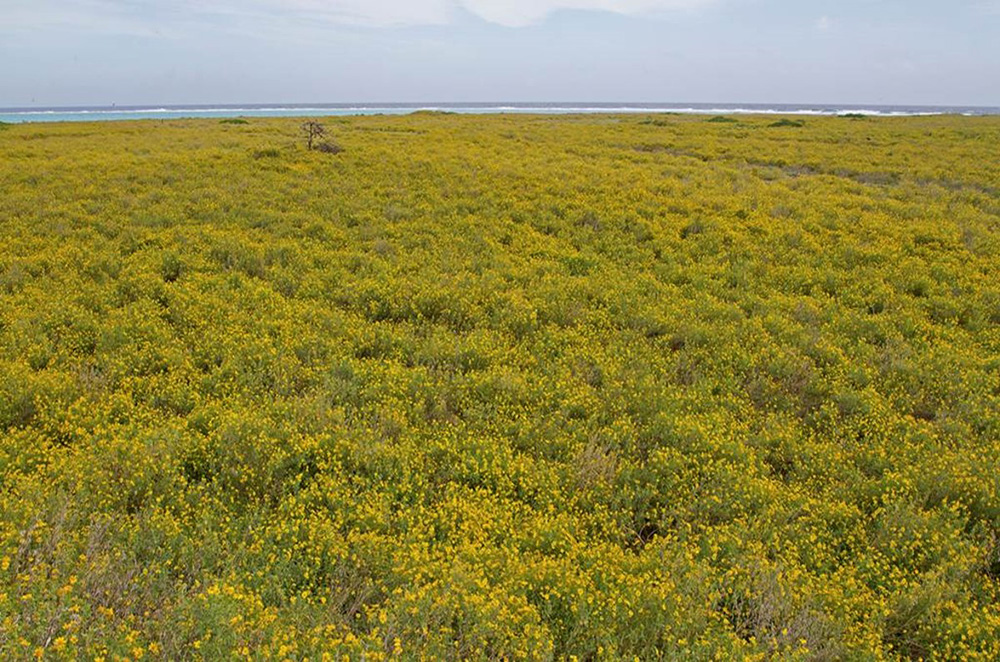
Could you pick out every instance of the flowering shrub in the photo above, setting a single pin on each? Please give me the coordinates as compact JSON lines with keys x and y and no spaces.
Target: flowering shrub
{"x":591,"y":387}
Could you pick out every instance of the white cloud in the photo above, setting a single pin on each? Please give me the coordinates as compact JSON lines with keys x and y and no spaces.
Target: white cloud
{"x":525,"y":12}
{"x":513,"y":13}
{"x":824,"y":23}
{"x":377,"y":13}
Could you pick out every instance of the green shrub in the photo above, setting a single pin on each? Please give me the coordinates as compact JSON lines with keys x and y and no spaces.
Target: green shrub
{"x":693,"y":228}
{"x":787,"y":122}
{"x":171,"y":267}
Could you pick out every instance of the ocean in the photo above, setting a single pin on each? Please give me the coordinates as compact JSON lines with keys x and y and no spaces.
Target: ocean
{"x":102,"y":113}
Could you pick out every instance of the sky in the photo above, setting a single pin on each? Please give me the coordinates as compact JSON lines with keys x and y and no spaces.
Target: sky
{"x":137,"y":52}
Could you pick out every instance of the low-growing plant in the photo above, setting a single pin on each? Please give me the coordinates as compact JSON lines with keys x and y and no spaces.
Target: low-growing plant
{"x":329,"y":147}
{"x":590,"y":220}
{"x":502,"y":388}
{"x":267,"y":153}
{"x":171,"y":267}
{"x":695,"y":227}
{"x":785,"y":122}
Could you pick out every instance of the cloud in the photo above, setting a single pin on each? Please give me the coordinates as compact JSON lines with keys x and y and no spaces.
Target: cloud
{"x":512,"y":13}
{"x":824,"y":23}
{"x":516,"y":13}
{"x":140,"y":15}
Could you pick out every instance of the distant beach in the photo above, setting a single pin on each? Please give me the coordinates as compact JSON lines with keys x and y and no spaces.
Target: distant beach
{"x":16,"y":115}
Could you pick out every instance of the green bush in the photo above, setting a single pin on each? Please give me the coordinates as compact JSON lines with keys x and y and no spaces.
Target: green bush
{"x":785,"y":122}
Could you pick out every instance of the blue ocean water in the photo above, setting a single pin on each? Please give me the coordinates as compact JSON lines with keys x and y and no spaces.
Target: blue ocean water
{"x":95,"y":113}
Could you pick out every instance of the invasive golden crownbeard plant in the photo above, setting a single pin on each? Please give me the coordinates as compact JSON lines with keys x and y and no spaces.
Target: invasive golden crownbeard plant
{"x":604,"y":387}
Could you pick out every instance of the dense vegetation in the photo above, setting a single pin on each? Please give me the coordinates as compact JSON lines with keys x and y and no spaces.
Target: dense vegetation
{"x":501,"y":387}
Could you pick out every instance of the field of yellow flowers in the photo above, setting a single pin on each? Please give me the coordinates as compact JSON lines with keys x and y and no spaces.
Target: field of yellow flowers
{"x":592,"y":387}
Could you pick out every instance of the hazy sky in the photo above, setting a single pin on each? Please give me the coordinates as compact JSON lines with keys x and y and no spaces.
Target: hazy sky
{"x":99,"y":52}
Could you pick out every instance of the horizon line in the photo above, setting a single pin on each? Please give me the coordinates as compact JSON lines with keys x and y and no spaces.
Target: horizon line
{"x":489,"y":103}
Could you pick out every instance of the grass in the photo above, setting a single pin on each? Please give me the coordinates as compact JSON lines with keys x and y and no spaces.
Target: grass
{"x":500,"y":387}
{"x":267,"y":153}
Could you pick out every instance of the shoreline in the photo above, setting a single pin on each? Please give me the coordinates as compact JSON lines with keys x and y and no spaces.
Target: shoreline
{"x":26,"y":115}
